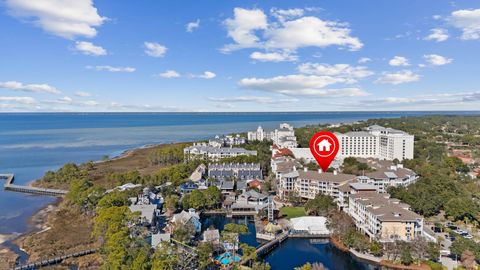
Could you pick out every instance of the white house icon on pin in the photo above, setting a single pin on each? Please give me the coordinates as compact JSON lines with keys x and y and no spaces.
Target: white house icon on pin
{"x":324,"y":146}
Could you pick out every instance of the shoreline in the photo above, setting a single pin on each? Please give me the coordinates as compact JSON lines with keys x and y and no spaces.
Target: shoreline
{"x":38,"y":221}
{"x":375,"y":260}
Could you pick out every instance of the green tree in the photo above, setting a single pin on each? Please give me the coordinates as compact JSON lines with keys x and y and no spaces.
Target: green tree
{"x":260,"y":266}
{"x":171,"y":203}
{"x":114,"y":198}
{"x":205,"y":253}
{"x":461,"y":207}
{"x":406,"y":255}
{"x":142,"y":260}
{"x":184,"y":233}
{"x":230,"y":234}
{"x":213,"y":196}
{"x":249,"y":253}
{"x":322,"y":205}
{"x":376,"y":248}
{"x":166,"y":257}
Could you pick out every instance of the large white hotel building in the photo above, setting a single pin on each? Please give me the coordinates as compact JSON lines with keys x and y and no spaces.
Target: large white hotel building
{"x":377,"y":142}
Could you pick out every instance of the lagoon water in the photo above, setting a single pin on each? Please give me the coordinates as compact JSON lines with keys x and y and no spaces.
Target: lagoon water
{"x":33,"y":143}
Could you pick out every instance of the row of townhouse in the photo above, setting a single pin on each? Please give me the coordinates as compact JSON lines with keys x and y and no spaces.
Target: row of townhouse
{"x":240,"y":171}
{"x":283,"y":137}
{"x":202,"y":150}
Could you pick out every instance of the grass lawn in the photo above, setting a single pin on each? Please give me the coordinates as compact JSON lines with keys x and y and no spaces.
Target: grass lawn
{"x":293,"y":212}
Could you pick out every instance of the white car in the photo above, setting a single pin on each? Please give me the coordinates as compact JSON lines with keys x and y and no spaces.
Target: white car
{"x":468,"y":236}
{"x":458,"y":231}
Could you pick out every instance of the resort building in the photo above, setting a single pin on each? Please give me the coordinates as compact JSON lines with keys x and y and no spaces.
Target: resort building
{"x":284,"y":137}
{"x":376,"y":142}
{"x":305,"y":155}
{"x":393,"y":176}
{"x":158,"y":238}
{"x":282,"y":165}
{"x":344,"y":192}
{"x":241,"y":171}
{"x":148,"y":213}
{"x":249,"y":202}
{"x":202,"y":150}
{"x":307,"y":184}
{"x":229,"y":140}
{"x":198,"y":173}
{"x":190,"y":218}
{"x":384,"y":219}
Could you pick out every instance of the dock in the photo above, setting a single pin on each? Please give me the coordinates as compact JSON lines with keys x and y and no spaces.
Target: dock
{"x":55,"y":260}
{"x":270,"y":245}
{"x":9,"y":186}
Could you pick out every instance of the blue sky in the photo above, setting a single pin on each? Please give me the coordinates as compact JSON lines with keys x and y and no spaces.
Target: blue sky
{"x":83,"y":55}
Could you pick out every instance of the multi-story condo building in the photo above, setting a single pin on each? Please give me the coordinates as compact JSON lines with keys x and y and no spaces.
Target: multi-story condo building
{"x":202,"y":150}
{"x":229,"y":140}
{"x":282,"y":165}
{"x":240,"y":171}
{"x":376,"y":142}
{"x":284,"y":137}
{"x":307,"y":184}
{"x":386,"y":174}
{"x":384,"y":219}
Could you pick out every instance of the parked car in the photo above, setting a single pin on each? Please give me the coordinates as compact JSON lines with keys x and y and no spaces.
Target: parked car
{"x":468,"y":236}
{"x":437,"y":229}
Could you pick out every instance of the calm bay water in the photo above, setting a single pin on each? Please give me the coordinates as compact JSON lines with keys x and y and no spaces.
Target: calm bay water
{"x":33,"y":143}
{"x":295,"y":252}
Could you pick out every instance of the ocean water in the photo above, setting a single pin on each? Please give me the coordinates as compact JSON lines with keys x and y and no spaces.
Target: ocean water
{"x":33,"y":143}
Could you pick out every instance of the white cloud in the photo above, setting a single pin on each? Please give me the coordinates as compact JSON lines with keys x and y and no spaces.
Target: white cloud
{"x":338,"y":70}
{"x":63,"y":100}
{"x":20,"y":100}
{"x":64,"y":18}
{"x":38,"y":88}
{"x":169,"y":74}
{"x":192,"y":26}
{"x":273,"y":56}
{"x":155,"y":49}
{"x":285,"y":14}
{"x":437,"y":34}
{"x":111,"y":68}
{"x":256,"y":99}
{"x":242,"y":26}
{"x":310,"y":32}
{"x":206,"y":75}
{"x":302,"y":85}
{"x":432,"y":99}
{"x":286,"y":34}
{"x":83,"y":94}
{"x":90,"y":103}
{"x":364,"y":60}
{"x":437,"y":60}
{"x":398,"y":61}
{"x":404,"y":76}
{"x":467,"y":20}
{"x":88,"y":48}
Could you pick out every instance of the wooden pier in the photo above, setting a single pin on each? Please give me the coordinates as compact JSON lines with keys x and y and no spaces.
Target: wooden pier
{"x":55,"y":260}
{"x":9,"y":186}
{"x":270,"y":245}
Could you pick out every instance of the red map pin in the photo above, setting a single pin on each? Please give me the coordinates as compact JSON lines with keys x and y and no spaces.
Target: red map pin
{"x":324,"y":147}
